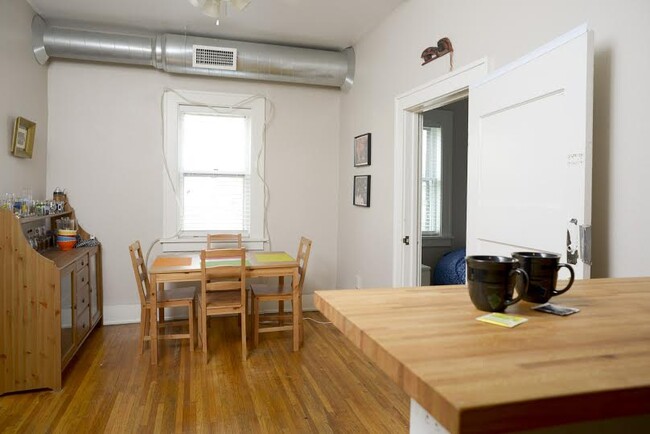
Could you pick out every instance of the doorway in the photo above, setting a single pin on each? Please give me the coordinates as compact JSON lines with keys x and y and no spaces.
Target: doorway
{"x":444,"y":91}
{"x":443,"y":193}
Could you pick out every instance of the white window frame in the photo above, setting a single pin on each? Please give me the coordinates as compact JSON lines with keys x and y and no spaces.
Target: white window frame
{"x":443,"y":119}
{"x":172,"y":196}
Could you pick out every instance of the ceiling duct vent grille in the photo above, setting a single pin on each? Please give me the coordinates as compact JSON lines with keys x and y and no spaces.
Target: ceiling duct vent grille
{"x":204,"y":56}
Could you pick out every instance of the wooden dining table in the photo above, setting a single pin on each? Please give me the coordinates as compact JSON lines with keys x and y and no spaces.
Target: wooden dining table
{"x":186,"y":267}
{"x":592,"y":367}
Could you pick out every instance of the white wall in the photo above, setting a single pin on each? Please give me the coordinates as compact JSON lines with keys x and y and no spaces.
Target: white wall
{"x":105,"y":149}
{"x":388,"y":64}
{"x":23,"y":92}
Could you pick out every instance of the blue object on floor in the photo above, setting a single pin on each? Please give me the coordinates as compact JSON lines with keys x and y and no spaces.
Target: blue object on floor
{"x":450,"y":269}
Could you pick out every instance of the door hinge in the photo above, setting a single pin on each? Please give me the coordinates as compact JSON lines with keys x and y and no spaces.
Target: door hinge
{"x":406,"y":240}
{"x":585,"y":243}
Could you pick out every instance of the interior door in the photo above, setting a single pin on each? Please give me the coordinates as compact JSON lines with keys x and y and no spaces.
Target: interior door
{"x":529,"y":154}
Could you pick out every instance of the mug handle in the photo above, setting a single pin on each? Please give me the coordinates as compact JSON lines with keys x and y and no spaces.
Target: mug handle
{"x":520,"y":292}
{"x":571,"y":279}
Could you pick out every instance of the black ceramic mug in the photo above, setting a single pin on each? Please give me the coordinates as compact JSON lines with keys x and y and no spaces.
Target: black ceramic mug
{"x":491,"y":281}
{"x":542,"y":269}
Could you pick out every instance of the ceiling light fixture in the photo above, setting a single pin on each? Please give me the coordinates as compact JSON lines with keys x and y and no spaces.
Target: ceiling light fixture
{"x":212,"y":8}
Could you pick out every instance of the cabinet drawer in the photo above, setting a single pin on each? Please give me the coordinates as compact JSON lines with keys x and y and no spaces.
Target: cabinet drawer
{"x":81,"y":262}
{"x":82,"y":297}
{"x":82,"y":325}
{"x":81,"y":277}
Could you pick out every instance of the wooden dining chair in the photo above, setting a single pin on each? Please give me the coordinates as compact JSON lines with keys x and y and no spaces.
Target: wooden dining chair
{"x":178,"y":297}
{"x":219,"y":241}
{"x":223,"y":291}
{"x":260,"y":292}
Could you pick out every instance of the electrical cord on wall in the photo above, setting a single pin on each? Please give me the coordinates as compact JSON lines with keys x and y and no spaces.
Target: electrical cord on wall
{"x":269,"y":110}
{"x":267,"y":191}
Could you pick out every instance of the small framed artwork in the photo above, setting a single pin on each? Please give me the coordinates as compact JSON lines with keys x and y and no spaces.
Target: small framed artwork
{"x":22,"y":143}
{"x":362,"y":150}
{"x":361,"y":196}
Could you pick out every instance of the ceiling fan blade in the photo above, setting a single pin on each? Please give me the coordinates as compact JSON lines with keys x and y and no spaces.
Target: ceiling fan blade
{"x":197,"y":3}
{"x":240,"y":4}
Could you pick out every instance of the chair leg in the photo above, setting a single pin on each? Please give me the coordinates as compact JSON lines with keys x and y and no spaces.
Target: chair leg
{"x":204,"y":336}
{"x":144,"y":325}
{"x":301,"y":329}
{"x":256,"y":321}
{"x":197,"y":315}
{"x":191,"y":324}
{"x":249,"y":325}
{"x":244,"y":352}
{"x":281,"y":312}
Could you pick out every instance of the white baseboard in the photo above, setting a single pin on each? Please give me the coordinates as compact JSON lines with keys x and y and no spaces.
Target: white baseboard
{"x":130,"y":313}
{"x":122,"y":314}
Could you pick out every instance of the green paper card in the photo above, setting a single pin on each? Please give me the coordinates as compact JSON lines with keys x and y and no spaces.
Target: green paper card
{"x":502,"y":319}
{"x":273,"y":257}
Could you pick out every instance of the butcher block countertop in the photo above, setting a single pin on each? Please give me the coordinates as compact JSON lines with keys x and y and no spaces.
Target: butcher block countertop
{"x":475,"y":377}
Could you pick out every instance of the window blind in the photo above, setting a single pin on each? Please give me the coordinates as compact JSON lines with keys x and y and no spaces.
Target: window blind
{"x":215,"y":172}
{"x":431,"y":189}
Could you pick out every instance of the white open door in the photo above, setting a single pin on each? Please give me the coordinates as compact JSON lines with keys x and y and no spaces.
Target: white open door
{"x":529,"y":154}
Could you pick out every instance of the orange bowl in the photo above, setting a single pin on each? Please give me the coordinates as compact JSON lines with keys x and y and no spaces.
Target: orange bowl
{"x":66,"y":245}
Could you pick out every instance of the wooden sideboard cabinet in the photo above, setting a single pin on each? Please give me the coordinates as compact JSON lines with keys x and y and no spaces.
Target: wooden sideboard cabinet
{"x":50,"y":300}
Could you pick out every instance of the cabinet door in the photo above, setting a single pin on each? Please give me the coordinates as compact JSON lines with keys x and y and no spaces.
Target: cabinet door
{"x":94,"y":288}
{"x":67,"y":314}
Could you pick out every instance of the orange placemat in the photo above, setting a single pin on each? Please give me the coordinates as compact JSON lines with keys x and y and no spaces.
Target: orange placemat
{"x":172,"y":261}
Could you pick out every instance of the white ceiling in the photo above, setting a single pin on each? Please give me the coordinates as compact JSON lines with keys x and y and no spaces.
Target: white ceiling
{"x":335,"y":24}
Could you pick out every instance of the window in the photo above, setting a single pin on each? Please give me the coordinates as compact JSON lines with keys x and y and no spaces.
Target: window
{"x":435,"y":174}
{"x":431,"y":180}
{"x":214,"y":156}
{"x":215,"y":171}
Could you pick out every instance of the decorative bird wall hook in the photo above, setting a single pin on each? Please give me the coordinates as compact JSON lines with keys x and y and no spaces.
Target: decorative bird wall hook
{"x":443,"y":47}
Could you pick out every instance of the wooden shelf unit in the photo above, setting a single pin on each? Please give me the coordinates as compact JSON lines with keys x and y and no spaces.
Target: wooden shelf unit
{"x":49,"y":302}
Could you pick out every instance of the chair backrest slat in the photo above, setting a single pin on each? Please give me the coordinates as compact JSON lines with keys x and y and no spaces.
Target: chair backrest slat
{"x":140,"y":272}
{"x":226,"y":285}
{"x":304,"y":250}
{"x":217,"y":241}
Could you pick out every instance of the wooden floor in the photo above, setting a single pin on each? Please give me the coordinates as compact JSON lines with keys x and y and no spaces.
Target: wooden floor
{"x":328,"y":386}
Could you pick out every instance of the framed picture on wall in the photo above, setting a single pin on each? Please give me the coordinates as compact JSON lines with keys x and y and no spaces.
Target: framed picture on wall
{"x":22,"y":142}
{"x":362,"y":150}
{"x":361,"y":195}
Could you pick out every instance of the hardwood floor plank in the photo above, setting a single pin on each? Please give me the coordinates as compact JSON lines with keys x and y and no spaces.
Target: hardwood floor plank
{"x":326,"y":387}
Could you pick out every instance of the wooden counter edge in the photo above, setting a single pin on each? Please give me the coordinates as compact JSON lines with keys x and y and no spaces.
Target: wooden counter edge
{"x":444,"y":413}
{"x":495,"y":418}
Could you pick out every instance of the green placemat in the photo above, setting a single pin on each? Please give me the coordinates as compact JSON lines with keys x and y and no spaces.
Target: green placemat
{"x":225,"y":262}
{"x":273,"y":257}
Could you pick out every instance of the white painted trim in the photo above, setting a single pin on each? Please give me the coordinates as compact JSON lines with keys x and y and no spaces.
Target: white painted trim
{"x":443,"y":90}
{"x":130,"y":313}
{"x":121,"y":314}
{"x":546,"y":48}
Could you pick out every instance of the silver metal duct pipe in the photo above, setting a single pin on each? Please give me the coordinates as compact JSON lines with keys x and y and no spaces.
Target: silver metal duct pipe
{"x":175,"y":54}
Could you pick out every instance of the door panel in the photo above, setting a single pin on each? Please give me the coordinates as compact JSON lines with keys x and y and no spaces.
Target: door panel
{"x":529,"y":156}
